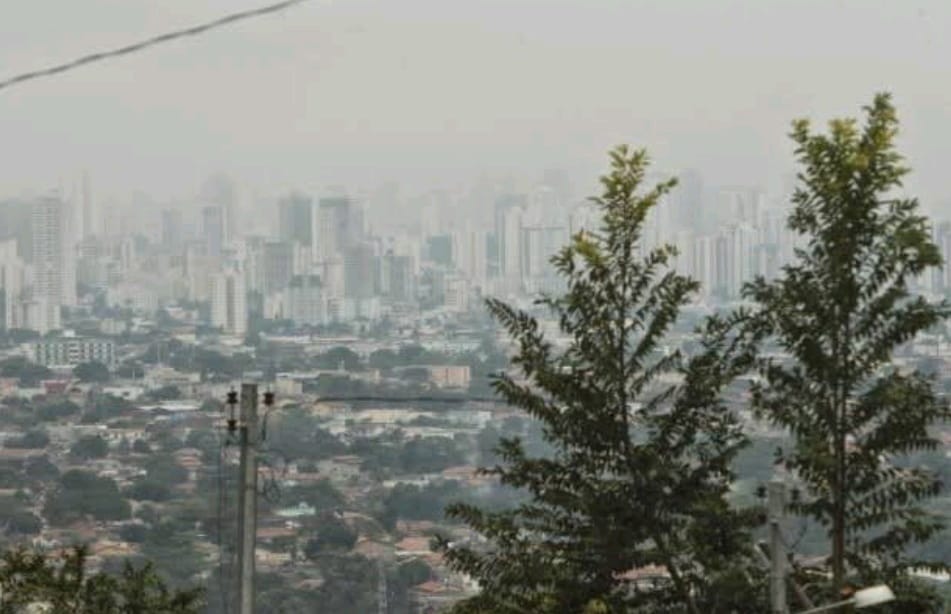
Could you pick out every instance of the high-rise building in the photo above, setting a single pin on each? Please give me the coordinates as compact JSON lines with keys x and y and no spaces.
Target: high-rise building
{"x":683,"y":261}
{"x":469,"y":255}
{"x":703,"y":264}
{"x":360,"y":273}
{"x":538,"y":245}
{"x":50,"y":277}
{"x":744,"y":205}
{"x":296,"y":217}
{"x":398,"y":280}
{"x":16,"y":224}
{"x":942,"y":275}
{"x":439,"y":249}
{"x":734,"y":260}
{"x":333,"y":275}
{"x":198,"y":269}
{"x":306,"y":305}
{"x":687,"y":209}
{"x":508,"y":232}
{"x":220,"y":191}
{"x":229,"y":308}
{"x":455,"y":293}
{"x":213,"y":229}
{"x":11,"y":286}
{"x":173,"y":228}
{"x":340,"y":225}
{"x":91,"y":225}
{"x":277,"y":266}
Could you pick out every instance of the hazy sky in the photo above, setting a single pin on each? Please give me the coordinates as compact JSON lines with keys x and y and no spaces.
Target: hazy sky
{"x":433,"y":91}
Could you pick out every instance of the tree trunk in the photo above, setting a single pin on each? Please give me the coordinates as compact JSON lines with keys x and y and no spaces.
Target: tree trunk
{"x":839,"y":498}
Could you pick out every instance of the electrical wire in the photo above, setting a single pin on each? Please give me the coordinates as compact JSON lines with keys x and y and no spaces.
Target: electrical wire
{"x":150,"y":42}
{"x":417,"y":399}
{"x":271,"y":488}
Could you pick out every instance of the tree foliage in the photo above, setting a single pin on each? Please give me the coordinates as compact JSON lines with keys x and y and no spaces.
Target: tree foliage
{"x":28,"y":373}
{"x":837,"y":314}
{"x":640,"y":468}
{"x":32,"y":439}
{"x":81,"y":494}
{"x":92,"y":372}
{"x":90,"y":447}
{"x":66,"y":585}
{"x":55,"y":409}
{"x":332,"y":534}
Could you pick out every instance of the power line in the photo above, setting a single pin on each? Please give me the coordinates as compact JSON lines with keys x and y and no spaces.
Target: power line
{"x":423,"y":399}
{"x":151,"y":42}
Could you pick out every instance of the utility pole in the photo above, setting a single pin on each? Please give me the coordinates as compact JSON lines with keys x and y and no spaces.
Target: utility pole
{"x":381,"y":599}
{"x":247,"y":496}
{"x":776,"y":502}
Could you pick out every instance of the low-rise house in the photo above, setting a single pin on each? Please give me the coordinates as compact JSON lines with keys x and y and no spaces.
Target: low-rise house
{"x":413,"y":546}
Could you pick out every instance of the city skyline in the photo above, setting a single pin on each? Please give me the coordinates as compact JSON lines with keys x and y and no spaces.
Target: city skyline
{"x":328,"y":108}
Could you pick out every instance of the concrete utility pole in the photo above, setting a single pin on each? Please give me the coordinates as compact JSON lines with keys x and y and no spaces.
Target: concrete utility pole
{"x":382,"y":591}
{"x":247,"y":497}
{"x":776,"y":501}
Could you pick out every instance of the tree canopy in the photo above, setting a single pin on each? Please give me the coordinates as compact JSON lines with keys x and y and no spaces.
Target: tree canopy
{"x":66,"y":585}
{"x":92,"y":372}
{"x":640,"y":469}
{"x":836,"y":316}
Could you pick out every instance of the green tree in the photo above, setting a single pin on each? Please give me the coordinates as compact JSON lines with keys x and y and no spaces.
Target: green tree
{"x":92,"y":372}
{"x":296,"y":434}
{"x":837,"y":313}
{"x":29,"y":373}
{"x":383,"y":359}
{"x":165,"y":468}
{"x":56,"y":409}
{"x":640,"y":469}
{"x":333,"y":534}
{"x":322,"y":495}
{"x":66,"y":585}
{"x":33,"y":439}
{"x":413,"y":572}
{"x":103,"y":407}
{"x":336,"y":357}
{"x":90,"y":447}
{"x":149,"y":490}
{"x":165,"y":393}
{"x":80,"y":494}
{"x":140,"y":446}
{"x":40,"y":469}
{"x":16,"y":518}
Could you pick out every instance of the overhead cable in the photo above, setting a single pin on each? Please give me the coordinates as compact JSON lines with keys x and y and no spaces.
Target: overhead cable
{"x":151,"y":42}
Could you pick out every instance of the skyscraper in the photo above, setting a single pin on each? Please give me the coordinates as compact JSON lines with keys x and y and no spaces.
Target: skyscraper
{"x":277,"y":266}
{"x":49,"y":262}
{"x":305,"y":301}
{"x":360,"y":271}
{"x":172,"y":228}
{"x":397,"y":278}
{"x":296,"y":213}
{"x":469,"y":254}
{"x":90,"y":223}
{"x":16,"y":223}
{"x":942,"y":281}
{"x":11,"y":286}
{"x":213,"y":229}
{"x":340,"y":224}
{"x":508,"y":231}
{"x":220,"y":191}
{"x":229,"y":308}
